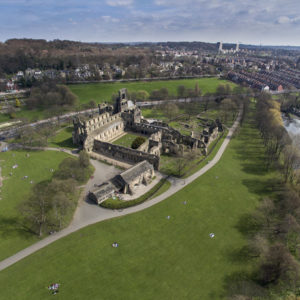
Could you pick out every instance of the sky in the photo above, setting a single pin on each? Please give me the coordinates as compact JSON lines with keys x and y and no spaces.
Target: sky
{"x":266,"y":22}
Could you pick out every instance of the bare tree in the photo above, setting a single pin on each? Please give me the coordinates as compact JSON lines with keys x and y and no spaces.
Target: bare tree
{"x":171,"y":110}
{"x":36,"y":209}
{"x":228,"y":107}
{"x":291,"y":161}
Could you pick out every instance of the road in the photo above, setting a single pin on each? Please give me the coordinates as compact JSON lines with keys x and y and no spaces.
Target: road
{"x":10,"y":133}
{"x":87,"y":214}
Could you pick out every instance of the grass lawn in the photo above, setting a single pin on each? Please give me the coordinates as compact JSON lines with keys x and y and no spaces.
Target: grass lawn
{"x":183,"y":130}
{"x":126,"y":140}
{"x":166,"y":185}
{"x":101,"y":92}
{"x":157,"y":258}
{"x":4,"y":118}
{"x":15,"y":189}
{"x":62,"y":139}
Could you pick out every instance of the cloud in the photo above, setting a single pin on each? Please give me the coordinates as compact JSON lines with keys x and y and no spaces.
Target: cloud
{"x":109,"y":19}
{"x":287,"y":20}
{"x":228,"y":20}
{"x":283,"y":20}
{"x":119,"y":2}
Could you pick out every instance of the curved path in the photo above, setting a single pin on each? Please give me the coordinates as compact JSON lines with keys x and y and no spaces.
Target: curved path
{"x":87,"y":214}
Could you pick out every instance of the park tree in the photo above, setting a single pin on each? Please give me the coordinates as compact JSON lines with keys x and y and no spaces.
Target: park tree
{"x":290,"y":234}
{"x":11,"y":111}
{"x":171,"y":110}
{"x":18,"y":103}
{"x":137,"y":142}
{"x":84,"y":159}
{"x":258,"y":246}
{"x":161,"y":94}
{"x":291,"y":161}
{"x":36,"y":209}
{"x":61,"y":206}
{"x":142,"y":95}
{"x":181,"y":91}
{"x":208,"y":97}
{"x":197,"y":90}
{"x":221,"y":90}
{"x":192,"y":107}
{"x":183,"y":160}
{"x":50,"y":95}
{"x":228,"y":108}
{"x":278,"y":266}
{"x":92,"y":104}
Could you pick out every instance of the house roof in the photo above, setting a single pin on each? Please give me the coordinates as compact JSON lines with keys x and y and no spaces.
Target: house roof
{"x":104,"y":189}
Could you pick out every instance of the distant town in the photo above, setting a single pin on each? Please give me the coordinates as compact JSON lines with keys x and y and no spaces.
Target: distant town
{"x":261,"y":68}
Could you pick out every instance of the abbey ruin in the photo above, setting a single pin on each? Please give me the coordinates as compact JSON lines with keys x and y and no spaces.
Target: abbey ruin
{"x":95,"y":134}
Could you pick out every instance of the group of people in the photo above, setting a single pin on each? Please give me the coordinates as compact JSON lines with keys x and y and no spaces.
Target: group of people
{"x":54,"y":288}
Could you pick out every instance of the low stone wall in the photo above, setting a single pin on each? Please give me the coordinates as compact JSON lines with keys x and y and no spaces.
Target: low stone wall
{"x":144,"y":147}
{"x":126,"y":154}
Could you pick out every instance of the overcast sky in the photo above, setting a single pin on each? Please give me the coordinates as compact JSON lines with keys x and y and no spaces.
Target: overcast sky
{"x":274,"y":22}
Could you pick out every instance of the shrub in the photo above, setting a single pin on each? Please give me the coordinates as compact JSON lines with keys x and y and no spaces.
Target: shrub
{"x":12,"y":115}
{"x":138,"y":142}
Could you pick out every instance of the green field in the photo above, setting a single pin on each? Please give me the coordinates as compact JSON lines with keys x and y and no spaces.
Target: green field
{"x":62,"y":139}
{"x":4,"y":118}
{"x":13,"y":237}
{"x":126,"y":140}
{"x":101,"y":92}
{"x":158,"y":258}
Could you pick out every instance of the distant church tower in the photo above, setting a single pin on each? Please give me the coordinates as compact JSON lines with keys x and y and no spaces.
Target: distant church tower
{"x":220,"y":47}
{"x":237,"y":48}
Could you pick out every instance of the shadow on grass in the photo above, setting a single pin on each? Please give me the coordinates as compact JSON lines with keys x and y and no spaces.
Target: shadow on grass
{"x":241,"y":283}
{"x":68,"y":143}
{"x":263,"y":188}
{"x":10,"y":226}
{"x":241,"y":255}
{"x":252,"y":158}
{"x":248,"y":225}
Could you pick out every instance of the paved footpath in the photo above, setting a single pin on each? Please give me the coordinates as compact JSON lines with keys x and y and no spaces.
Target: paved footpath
{"x":93,"y":214}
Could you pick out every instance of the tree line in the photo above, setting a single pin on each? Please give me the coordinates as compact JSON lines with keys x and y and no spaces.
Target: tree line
{"x":273,"y":229}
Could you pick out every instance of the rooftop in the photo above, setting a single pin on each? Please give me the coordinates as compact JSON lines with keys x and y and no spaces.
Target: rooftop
{"x":132,"y":173}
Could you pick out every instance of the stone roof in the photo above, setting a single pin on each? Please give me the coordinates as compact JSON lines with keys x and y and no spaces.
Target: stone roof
{"x":129,"y":175}
{"x":104,"y":189}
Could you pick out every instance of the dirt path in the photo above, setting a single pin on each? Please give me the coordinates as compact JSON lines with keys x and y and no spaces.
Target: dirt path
{"x":87,"y":214}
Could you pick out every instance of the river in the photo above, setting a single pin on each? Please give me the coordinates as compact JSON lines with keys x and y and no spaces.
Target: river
{"x":292,"y":125}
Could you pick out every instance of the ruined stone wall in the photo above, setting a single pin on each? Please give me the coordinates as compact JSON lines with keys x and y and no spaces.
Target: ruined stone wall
{"x":144,"y":147}
{"x":96,"y":123}
{"x":126,"y":154}
{"x":144,"y":128}
{"x":111,"y":131}
{"x":85,"y":129}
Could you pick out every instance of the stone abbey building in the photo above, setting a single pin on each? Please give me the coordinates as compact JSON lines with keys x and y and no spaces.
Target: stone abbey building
{"x":94,"y":135}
